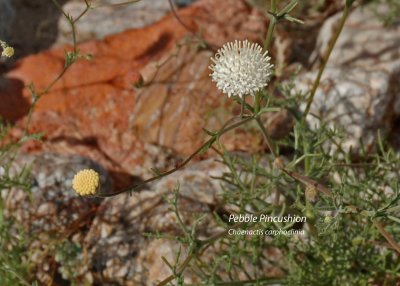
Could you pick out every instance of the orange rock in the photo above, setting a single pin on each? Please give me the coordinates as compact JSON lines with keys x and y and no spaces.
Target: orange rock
{"x":95,"y":110}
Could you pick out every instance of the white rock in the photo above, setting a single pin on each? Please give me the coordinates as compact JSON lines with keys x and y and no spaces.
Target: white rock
{"x":356,"y":99}
{"x":102,"y":21}
{"x":360,"y":88}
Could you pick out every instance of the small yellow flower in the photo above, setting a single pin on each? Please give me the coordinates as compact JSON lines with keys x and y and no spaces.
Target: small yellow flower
{"x":7,"y":52}
{"x":328,"y":219}
{"x":86,"y":182}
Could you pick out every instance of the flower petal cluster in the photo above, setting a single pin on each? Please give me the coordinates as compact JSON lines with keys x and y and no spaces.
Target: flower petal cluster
{"x":7,"y":52}
{"x":86,"y":182}
{"x":241,"y":68}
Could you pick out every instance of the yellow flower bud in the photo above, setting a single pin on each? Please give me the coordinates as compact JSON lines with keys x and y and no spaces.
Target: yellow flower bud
{"x":311,"y":194}
{"x":328,"y":219}
{"x":8,"y":52}
{"x":86,"y":182}
{"x":278,"y":163}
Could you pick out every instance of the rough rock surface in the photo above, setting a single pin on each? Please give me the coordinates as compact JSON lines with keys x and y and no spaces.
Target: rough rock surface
{"x":360,"y":86}
{"x":364,"y":41}
{"x":121,"y":254}
{"x":118,"y":250}
{"x":7,"y":13}
{"x":353,"y":98}
{"x":104,"y":242}
{"x":106,"y":18}
{"x":52,"y":211}
{"x":95,"y":109}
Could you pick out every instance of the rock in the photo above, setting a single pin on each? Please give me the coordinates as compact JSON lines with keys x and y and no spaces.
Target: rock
{"x":360,"y":86}
{"x":358,"y":100}
{"x":7,"y":13}
{"x":164,"y":114}
{"x":182,"y":3}
{"x":52,"y":212}
{"x":95,"y":110}
{"x":364,"y":41}
{"x":107,"y":19}
{"x":119,"y":251}
{"x":41,"y":31}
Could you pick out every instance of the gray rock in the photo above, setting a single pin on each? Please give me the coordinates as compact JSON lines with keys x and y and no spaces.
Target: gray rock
{"x":360,"y":86}
{"x":107,"y":20}
{"x":7,"y":13}
{"x":183,"y":2}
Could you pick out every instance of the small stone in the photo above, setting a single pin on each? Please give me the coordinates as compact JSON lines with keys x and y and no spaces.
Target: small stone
{"x":47,"y":209}
{"x":122,"y":272}
{"x":106,"y":230}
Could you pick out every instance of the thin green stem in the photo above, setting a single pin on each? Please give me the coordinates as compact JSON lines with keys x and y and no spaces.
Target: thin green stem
{"x":183,"y":266}
{"x":257,"y":102}
{"x":271,"y":26}
{"x":267,"y":139}
{"x":116,"y":4}
{"x":207,"y":144}
{"x":83,"y":12}
{"x":37,"y":96}
{"x":273,"y":6}
{"x":259,"y":281}
{"x":203,"y":245}
{"x":386,"y":235}
{"x":178,"y":216}
{"x":20,"y":278}
{"x":50,"y":86}
{"x":243,"y":102}
{"x":326,"y":58}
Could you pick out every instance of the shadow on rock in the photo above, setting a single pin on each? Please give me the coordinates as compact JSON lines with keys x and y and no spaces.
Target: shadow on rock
{"x":13,"y":105}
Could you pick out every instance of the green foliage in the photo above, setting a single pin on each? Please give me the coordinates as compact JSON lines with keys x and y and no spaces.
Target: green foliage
{"x":350,"y":198}
{"x":14,"y":269}
{"x":388,"y":15}
{"x":342,"y":245}
{"x":69,"y":255}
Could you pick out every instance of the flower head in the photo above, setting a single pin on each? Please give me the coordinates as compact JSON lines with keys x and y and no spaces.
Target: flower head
{"x":86,"y":182}
{"x":241,"y":68}
{"x":7,"y":52}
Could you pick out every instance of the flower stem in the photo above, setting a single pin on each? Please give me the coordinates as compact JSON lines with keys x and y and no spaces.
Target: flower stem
{"x":208,"y":143}
{"x":267,"y":139}
{"x":184,"y":264}
{"x":325,"y":59}
{"x":271,"y":26}
{"x":266,"y":136}
{"x":243,"y":103}
{"x":257,"y":102}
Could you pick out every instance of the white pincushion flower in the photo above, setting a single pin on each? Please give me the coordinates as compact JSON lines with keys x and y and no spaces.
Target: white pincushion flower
{"x":241,"y":68}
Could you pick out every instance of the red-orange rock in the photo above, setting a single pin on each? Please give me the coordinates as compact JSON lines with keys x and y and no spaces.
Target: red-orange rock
{"x":95,"y":110}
